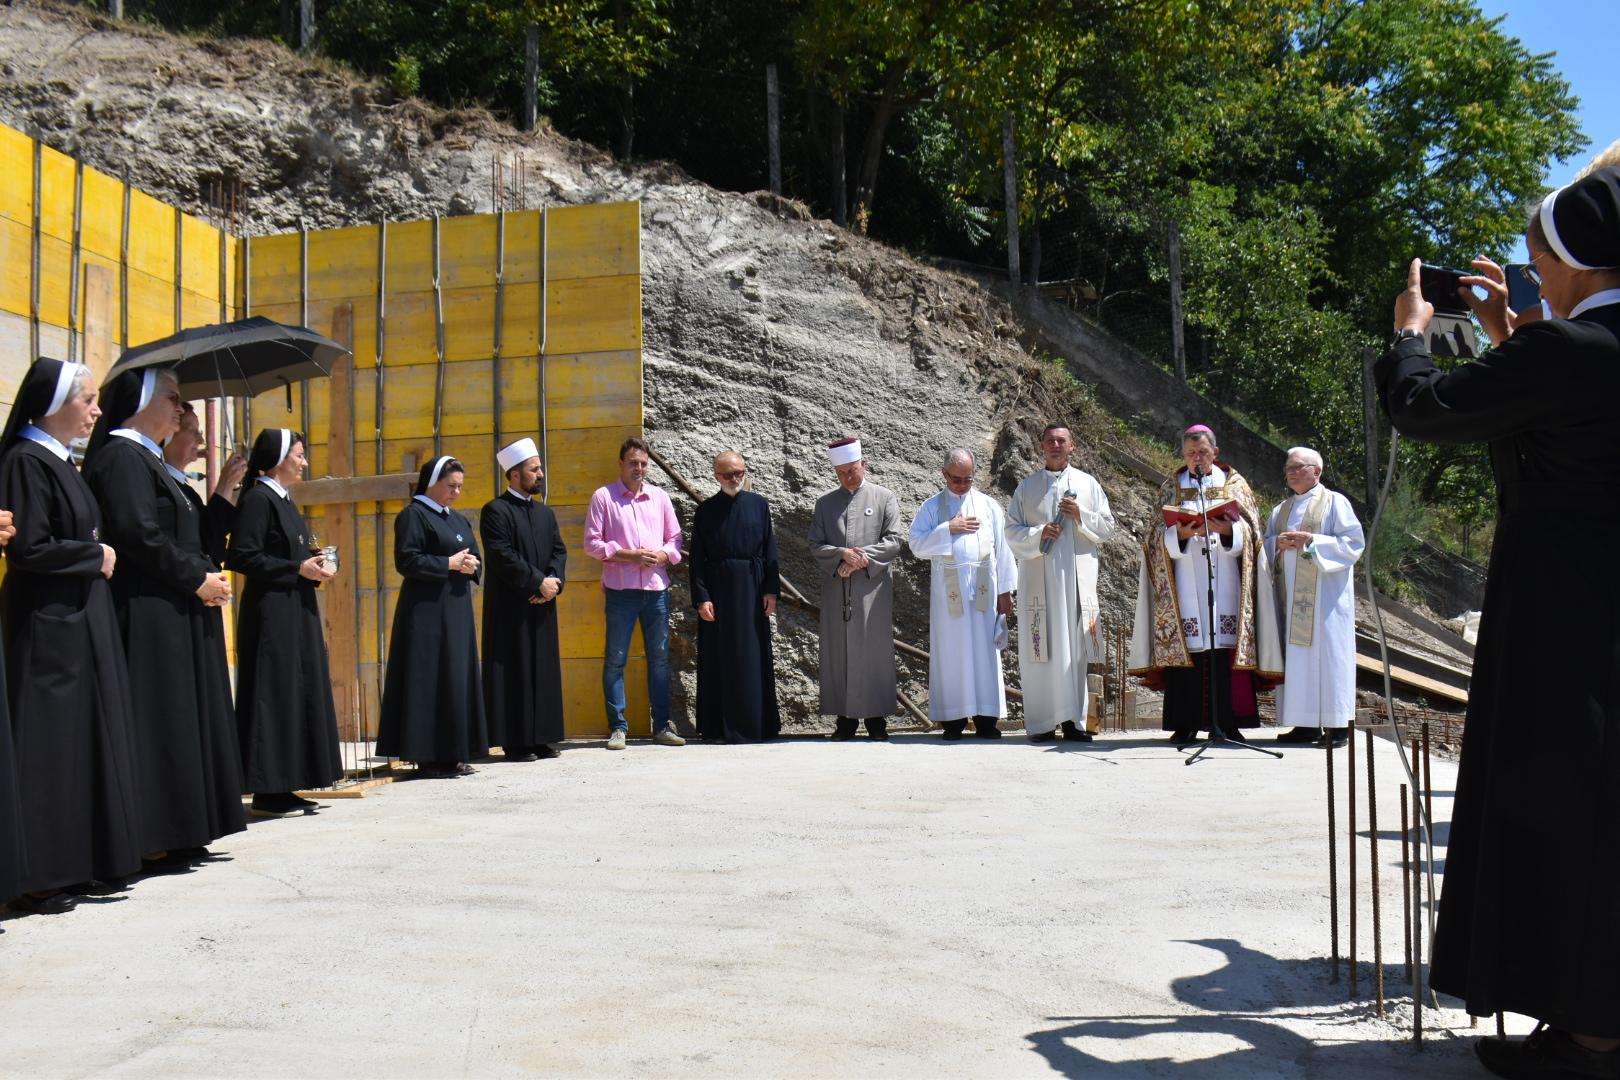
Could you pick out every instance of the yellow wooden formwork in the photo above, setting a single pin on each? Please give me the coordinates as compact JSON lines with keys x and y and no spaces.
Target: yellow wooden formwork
{"x":569,"y":278}
{"x":117,"y":267}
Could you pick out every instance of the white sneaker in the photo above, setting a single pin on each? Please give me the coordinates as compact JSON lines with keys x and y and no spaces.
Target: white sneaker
{"x":616,"y":740}
{"x":667,"y":737}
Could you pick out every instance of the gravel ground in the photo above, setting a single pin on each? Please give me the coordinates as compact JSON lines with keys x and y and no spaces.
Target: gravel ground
{"x":796,"y":909}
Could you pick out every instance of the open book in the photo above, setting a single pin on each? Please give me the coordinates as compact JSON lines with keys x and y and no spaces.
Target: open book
{"x":1225,"y":510}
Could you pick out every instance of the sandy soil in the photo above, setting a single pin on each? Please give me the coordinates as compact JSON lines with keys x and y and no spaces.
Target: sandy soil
{"x":797,"y":909}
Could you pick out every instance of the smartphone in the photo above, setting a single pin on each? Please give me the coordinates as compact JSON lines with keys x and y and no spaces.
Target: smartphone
{"x":1521,"y":294}
{"x":1440,"y":285}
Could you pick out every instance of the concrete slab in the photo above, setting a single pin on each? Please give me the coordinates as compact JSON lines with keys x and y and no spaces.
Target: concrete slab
{"x":798,"y":909}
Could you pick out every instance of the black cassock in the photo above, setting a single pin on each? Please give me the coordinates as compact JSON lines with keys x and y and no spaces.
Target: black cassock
{"x":433,"y":700}
{"x":11,"y":841}
{"x":522,"y":673}
{"x":284,"y":716}
{"x":188,"y":768}
{"x":733,"y":563}
{"x":68,"y":686}
{"x":1530,"y":914}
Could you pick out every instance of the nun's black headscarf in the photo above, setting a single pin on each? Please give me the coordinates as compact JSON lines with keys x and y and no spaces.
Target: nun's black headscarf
{"x":37,"y":393}
{"x":271,"y":449}
{"x":122,"y":397}
{"x":1581,"y":222}
{"x":435,"y":470}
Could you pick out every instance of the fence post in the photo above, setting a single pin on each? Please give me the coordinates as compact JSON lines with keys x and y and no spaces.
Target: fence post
{"x":1178,"y":340}
{"x":773,"y":127}
{"x":1009,"y":181}
{"x":531,"y":78}
{"x":306,"y":25}
{"x":115,"y":8}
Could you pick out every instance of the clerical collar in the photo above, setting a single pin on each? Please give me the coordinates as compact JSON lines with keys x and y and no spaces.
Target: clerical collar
{"x":514,"y":492}
{"x":136,"y":437}
{"x":431,"y":505}
{"x":45,"y":439}
{"x":273,"y":486}
{"x":1055,"y":473}
{"x":177,"y":474}
{"x":1597,"y":299}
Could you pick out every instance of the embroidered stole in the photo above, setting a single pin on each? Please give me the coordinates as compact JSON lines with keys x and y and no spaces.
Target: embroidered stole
{"x":1300,"y":609}
{"x":953,"y":579}
{"x":1040,"y":647}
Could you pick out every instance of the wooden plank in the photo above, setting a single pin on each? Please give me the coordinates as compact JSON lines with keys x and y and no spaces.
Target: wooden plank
{"x":101,"y":230}
{"x":56,"y":184}
{"x":592,"y":390}
{"x":338,"y":529}
{"x":16,"y":176}
{"x":201,"y":261}
{"x":594,"y":315}
{"x":582,"y":460}
{"x":151,"y":240}
{"x":584,"y":714}
{"x":348,"y":490}
{"x":1412,"y":679}
{"x":594,"y":241}
{"x":16,"y":260}
{"x":100,"y":319}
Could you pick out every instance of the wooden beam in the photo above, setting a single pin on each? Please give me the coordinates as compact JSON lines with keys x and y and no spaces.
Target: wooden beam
{"x":341,"y":642}
{"x":100,"y":320}
{"x":333,"y":490}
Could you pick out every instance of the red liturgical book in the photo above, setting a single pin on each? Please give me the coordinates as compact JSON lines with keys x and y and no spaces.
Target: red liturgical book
{"x":1225,"y":510}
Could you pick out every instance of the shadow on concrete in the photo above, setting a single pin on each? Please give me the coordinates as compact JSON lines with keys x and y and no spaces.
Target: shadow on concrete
{"x":1258,"y":1001}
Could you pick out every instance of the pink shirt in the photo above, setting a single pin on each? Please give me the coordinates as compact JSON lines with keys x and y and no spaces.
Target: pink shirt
{"x":617,"y":520}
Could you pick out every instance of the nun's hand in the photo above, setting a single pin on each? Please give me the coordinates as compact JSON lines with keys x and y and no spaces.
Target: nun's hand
{"x":464,"y":562}
{"x":314,"y":568}
{"x":231,"y":473}
{"x":1493,"y":312}
{"x":1412,"y":312}
{"x":108,"y":558}
{"x":8,"y":527}
{"x":214,"y":590}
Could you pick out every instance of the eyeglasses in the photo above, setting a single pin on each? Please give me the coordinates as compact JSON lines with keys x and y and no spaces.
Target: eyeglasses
{"x":1297,"y":468}
{"x":968,"y":479}
{"x":735,"y":474}
{"x":1530,"y":272}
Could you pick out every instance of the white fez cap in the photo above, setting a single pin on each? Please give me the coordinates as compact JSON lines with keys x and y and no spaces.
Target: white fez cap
{"x":517,"y":453}
{"x":842,"y":453}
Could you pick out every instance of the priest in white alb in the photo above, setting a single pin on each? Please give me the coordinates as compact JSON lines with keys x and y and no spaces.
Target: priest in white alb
{"x":1314,"y":540}
{"x":1058,"y":520}
{"x":963,"y":535}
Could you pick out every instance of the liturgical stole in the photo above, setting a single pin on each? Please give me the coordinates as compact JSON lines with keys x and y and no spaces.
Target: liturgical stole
{"x":1300,"y":609}
{"x":953,"y":580}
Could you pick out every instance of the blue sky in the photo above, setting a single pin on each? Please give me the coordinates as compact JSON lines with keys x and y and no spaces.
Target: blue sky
{"x":1582,"y":35}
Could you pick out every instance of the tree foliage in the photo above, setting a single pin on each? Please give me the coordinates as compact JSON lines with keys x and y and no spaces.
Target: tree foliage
{"x":1307,"y":149}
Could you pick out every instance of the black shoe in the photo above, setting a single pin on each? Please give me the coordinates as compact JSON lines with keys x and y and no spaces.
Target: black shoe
{"x":276,"y":804}
{"x":845,"y":730}
{"x":308,"y":806}
{"x":1332,"y":738}
{"x":544,"y":752}
{"x":1042,"y":737}
{"x":954,"y":729}
{"x":58,"y":903}
{"x":984,"y":727}
{"x":877,"y":729}
{"x":97,"y":887}
{"x":1183,"y":736}
{"x":1072,"y":731}
{"x":1299,"y":735}
{"x":1546,"y":1054}
{"x":527,"y":755}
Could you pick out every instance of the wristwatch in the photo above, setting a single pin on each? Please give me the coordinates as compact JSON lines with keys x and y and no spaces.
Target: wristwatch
{"x":1405,"y":332}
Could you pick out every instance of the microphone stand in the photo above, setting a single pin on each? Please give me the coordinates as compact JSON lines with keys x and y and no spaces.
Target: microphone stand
{"x":1216,"y":736}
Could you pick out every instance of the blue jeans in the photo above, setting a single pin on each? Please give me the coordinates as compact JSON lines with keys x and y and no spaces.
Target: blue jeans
{"x":624,"y":607}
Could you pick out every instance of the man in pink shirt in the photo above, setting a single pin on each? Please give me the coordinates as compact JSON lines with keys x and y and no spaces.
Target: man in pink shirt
{"x":631,"y":529}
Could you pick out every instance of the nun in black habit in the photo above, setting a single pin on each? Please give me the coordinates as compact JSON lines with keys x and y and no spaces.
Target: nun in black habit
{"x":188,"y":768}
{"x":284,"y":717}
{"x":1529,"y":918}
{"x":526,"y":558}
{"x":68,"y":689}
{"x":433,"y":699}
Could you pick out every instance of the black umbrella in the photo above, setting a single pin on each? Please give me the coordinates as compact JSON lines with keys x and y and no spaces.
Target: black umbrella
{"x":236,"y":359}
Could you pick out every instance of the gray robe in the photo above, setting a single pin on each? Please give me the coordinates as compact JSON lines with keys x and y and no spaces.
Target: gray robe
{"x":857,"y":653}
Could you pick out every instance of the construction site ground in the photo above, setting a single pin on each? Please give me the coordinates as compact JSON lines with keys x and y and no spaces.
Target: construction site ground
{"x":802,"y":908}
